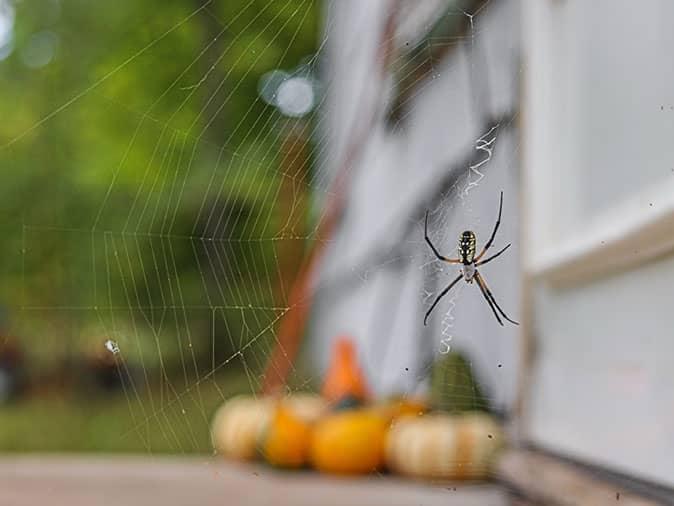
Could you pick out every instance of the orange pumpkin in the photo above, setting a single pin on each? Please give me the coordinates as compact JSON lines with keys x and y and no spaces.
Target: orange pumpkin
{"x":349,"y":442}
{"x":286,"y":443}
{"x":344,"y":379}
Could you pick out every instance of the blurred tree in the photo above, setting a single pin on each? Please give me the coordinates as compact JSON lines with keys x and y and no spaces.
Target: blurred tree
{"x":136,"y":161}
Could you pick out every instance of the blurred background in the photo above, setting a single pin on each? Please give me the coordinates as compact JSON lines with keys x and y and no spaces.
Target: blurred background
{"x":147,"y":203}
{"x":202,"y":199}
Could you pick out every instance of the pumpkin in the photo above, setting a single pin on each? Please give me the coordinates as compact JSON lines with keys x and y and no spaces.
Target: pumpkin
{"x":483,"y":441}
{"x":286,"y":441}
{"x":344,"y":381}
{"x":402,"y":406}
{"x":238,"y":424}
{"x":349,"y":442}
{"x":443,"y":446}
{"x":308,"y":407}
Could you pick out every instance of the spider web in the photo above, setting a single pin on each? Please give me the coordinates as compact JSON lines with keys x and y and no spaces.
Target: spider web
{"x":180,"y":265}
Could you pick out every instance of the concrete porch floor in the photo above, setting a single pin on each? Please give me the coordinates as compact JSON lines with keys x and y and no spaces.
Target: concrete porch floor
{"x":174,"y":481}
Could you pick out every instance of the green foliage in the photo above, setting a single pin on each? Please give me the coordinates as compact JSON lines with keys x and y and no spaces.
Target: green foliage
{"x":139,"y":170}
{"x":116,"y":423}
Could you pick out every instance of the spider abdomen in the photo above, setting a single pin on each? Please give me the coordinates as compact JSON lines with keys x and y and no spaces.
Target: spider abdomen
{"x":467,"y":247}
{"x":468,"y":271}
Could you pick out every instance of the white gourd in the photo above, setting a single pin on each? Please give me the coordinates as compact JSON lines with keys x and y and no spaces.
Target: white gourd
{"x":443,"y":446}
{"x":238,"y":424}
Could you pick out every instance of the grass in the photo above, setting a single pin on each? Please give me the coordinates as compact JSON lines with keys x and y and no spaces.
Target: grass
{"x":115,"y":423}
{"x":158,"y":423}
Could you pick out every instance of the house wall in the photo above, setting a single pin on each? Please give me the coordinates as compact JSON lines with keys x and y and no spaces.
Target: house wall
{"x":378,"y":278}
{"x":585,"y":158}
{"x":599,"y":205}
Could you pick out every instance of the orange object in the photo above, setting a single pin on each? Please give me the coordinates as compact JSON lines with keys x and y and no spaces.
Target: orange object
{"x":344,"y":378}
{"x":286,"y":443}
{"x":349,"y":442}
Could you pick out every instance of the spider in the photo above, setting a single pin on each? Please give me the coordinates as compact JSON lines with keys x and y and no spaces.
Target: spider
{"x":469,"y":263}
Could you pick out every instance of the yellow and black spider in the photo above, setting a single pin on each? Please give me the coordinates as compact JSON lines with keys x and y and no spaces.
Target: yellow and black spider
{"x":469,"y":263}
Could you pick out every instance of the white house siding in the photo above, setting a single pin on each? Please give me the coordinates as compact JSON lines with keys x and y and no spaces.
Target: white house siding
{"x":598,"y":124}
{"x":372,"y":284}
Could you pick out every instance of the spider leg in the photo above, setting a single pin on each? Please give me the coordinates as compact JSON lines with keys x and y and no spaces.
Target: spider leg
{"x":441,"y":295}
{"x":486,"y":297}
{"x":487,"y":293}
{"x":437,"y":254}
{"x":492,"y":257}
{"x":493,"y":234}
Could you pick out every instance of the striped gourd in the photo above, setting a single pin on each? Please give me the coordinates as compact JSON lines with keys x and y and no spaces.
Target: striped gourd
{"x":443,"y":446}
{"x":238,"y":425}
